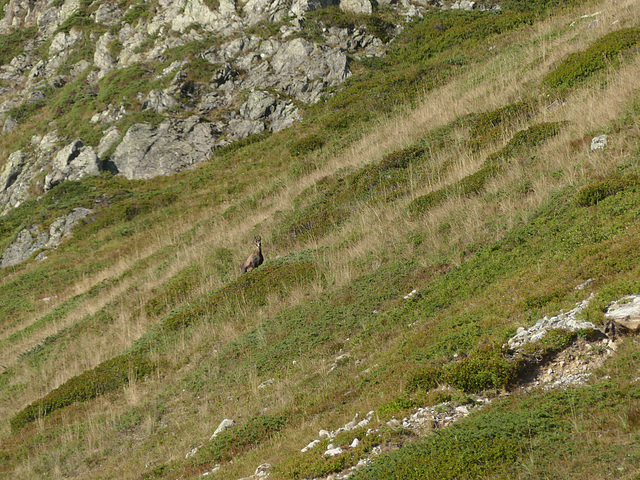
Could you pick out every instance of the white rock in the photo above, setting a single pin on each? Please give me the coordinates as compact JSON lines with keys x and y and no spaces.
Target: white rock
{"x":599,"y":143}
{"x":225,"y":424}
{"x":355,"y":443}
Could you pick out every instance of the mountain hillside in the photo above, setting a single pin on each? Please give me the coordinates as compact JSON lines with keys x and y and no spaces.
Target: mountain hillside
{"x":447,"y":198}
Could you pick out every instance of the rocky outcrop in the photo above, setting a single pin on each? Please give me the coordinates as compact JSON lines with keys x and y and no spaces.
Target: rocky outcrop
{"x":35,"y":239}
{"x":258,"y":83}
{"x":172,"y":146}
{"x":72,"y":163}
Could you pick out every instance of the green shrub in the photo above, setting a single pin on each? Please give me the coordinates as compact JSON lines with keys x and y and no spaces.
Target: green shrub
{"x":136,"y":11}
{"x":425,"y":379}
{"x":106,"y":377}
{"x":238,"y":439}
{"x":484,"y":369}
{"x":396,"y":406}
{"x":525,"y":140}
{"x":306,"y":145}
{"x":175,"y":290}
{"x":595,"y":192}
{"x":488,"y":127}
{"x":580,"y":66}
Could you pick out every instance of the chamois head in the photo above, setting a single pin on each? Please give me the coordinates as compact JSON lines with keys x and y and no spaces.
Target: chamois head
{"x":255,"y":259}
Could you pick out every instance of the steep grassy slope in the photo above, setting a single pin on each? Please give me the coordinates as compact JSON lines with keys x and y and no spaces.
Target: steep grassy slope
{"x":458,"y":166}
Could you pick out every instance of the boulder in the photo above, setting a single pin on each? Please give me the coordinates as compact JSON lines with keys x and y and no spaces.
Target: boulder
{"x":72,"y":163}
{"x":174,"y":145}
{"x":225,"y":424}
{"x":108,"y":14}
{"x":159,"y":101}
{"x":102,"y":58}
{"x":259,"y":105}
{"x":357,"y":6}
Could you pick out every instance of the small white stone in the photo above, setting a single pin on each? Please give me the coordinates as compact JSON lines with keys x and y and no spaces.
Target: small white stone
{"x":355,"y":443}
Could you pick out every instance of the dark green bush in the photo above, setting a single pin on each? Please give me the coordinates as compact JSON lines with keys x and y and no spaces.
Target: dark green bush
{"x":306,"y":145}
{"x":484,"y":369}
{"x":106,"y":377}
{"x":526,"y":139}
{"x":236,"y":440}
{"x":425,"y":379}
{"x":488,"y":127}
{"x":579,"y":67}
{"x":595,"y":192}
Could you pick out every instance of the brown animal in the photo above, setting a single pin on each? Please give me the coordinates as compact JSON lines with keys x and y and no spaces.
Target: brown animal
{"x":255,"y":259}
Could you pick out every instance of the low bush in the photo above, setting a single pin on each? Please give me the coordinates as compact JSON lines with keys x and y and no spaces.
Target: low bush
{"x":581,"y":66}
{"x":306,"y":145}
{"x":597,"y":191}
{"x":106,"y":377}
{"x":485,"y":369}
{"x":238,"y":439}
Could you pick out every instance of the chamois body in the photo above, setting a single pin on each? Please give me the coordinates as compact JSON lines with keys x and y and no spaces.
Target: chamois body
{"x":255,"y":259}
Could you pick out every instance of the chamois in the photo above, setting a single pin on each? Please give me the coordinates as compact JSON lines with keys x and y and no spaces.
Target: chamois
{"x":255,"y":259}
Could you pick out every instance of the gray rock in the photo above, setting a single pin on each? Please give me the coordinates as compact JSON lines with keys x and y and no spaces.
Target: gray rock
{"x":174,"y":145}
{"x":599,"y":143}
{"x":108,"y":140}
{"x":63,"y":41}
{"x":300,"y":7}
{"x":108,"y":14}
{"x":12,"y":169}
{"x":463,"y":5}
{"x":357,"y":6}
{"x":102,"y":59}
{"x":159,"y":101}
{"x":225,"y":424}
{"x":30,"y":241}
{"x":240,"y":128}
{"x":259,"y":105}
{"x":284,"y":115}
{"x":566,"y":321}
{"x":72,"y":163}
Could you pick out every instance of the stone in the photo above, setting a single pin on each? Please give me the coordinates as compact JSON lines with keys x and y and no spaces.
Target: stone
{"x":110,"y":137}
{"x":355,"y":443}
{"x":63,"y":41}
{"x":30,"y":241}
{"x":224,"y":425}
{"x":102,"y":58}
{"x":626,"y":313}
{"x":108,"y":14}
{"x":174,"y":145}
{"x":159,"y":101}
{"x":259,"y":105}
{"x":599,"y":143}
{"x":333,"y":451}
{"x":72,"y":163}
{"x":310,"y":446}
{"x":357,"y":6}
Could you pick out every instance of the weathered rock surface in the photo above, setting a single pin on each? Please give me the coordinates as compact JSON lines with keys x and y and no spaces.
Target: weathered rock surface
{"x":224,"y":424}
{"x":567,"y":321}
{"x":72,"y":163}
{"x":35,"y":239}
{"x":174,"y":145}
{"x":258,"y":84}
